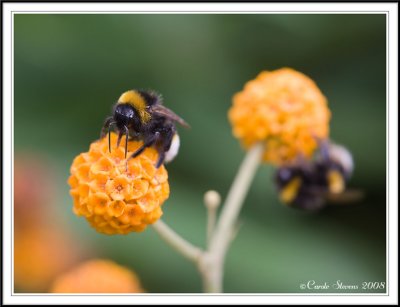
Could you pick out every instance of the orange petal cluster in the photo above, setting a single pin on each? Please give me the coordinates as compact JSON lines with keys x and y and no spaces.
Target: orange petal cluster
{"x":98,"y":276}
{"x":115,"y":197}
{"x":284,"y":109}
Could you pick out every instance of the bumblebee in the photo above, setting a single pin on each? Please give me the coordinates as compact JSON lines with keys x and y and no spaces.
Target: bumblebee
{"x":140,"y":115}
{"x":310,"y":185}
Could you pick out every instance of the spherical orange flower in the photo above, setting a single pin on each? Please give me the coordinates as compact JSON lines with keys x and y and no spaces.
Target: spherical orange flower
{"x":284,"y":109}
{"x":115,"y":197}
{"x":98,"y":276}
{"x":41,"y":252}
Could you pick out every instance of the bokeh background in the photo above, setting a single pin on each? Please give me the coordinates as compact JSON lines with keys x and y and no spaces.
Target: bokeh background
{"x":70,"y":69}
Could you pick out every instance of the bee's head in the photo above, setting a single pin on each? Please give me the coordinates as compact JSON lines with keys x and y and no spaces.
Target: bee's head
{"x":126,"y":115}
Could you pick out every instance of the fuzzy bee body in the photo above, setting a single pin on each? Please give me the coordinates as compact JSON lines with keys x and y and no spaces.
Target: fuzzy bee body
{"x":140,"y":115}
{"x":310,"y":184}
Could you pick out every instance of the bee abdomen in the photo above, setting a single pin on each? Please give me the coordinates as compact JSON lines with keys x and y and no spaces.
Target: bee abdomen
{"x":174,"y":149}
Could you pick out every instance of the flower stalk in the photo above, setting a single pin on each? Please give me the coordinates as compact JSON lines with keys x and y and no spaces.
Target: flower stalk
{"x":230,"y":211}
{"x":212,"y":200}
{"x":188,"y":250}
{"x":210,"y":262}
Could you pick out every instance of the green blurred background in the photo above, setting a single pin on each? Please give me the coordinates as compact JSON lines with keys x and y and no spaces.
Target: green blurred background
{"x":70,"y":69}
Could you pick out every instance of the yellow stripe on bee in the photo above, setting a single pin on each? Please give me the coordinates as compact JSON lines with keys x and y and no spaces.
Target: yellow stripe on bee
{"x":335,"y":181}
{"x":290,"y":191}
{"x":137,"y":101}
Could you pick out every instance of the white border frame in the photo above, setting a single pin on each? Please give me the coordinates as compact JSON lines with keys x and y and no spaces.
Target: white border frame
{"x":391,"y":9}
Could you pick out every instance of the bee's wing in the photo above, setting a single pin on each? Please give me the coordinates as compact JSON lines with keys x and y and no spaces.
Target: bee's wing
{"x":346,"y":197}
{"x":164,"y":111}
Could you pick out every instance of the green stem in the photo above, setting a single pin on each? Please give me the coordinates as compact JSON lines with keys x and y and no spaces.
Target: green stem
{"x":230,"y":211}
{"x":185,"y":248}
{"x":210,"y":263}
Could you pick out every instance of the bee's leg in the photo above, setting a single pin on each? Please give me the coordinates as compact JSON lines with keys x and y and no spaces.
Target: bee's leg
{"x":149,"y":142}
{"x":126,"y":140}
{"x":134,"y":135}
{"x":161,"y":158}
{"x":120,"y":133}
{"x":109,"y":139}
{"x":164,"y":145}
{"x":107,"y":126}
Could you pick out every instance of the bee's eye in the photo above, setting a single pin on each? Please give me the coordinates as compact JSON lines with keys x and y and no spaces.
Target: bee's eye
{"x":130,"y":113}
{"x":124,"y":111}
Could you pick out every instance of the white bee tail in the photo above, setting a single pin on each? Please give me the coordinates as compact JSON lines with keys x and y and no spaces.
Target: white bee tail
{"x":173,"y":150}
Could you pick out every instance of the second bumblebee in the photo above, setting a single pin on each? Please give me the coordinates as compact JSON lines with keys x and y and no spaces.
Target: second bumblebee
{"x":140,"y":115}
{"x":310,"y":185}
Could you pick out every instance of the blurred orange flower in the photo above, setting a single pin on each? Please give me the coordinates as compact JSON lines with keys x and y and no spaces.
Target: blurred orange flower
{"x":115,"y":197}
{"x":98,"y":276}
{"x":284,"y":109}
{"x":42,"y":247}
{"x":40,"y":254}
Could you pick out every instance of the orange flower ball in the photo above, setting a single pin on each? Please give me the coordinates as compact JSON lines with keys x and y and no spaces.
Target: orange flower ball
{"x":284,"y":109}
{"x":41,"y":252}
{"x":114,"y":197}
{"x":97,"y":276}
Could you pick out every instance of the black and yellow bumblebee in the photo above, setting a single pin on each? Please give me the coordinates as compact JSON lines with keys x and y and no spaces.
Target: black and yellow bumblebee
{"x":310,"y":185}
{"x":140,"y":115}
